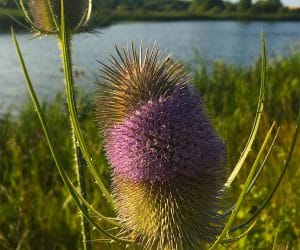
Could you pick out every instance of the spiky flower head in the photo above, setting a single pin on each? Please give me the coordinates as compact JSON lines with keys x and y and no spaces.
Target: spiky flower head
{"x":165,"y":155}
{"x":46,"y":14}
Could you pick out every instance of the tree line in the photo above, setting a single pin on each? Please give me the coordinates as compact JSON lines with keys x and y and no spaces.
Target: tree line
{"x":194,"y":6}
{"x":243,"y":6}
{"x":260,"y":6}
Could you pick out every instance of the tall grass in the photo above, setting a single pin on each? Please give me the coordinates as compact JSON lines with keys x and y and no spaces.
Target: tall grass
{"x":231,"y":96}
{"x":36,"y":211}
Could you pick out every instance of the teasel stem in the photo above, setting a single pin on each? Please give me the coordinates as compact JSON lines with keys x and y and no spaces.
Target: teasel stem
{"x":78,"y":199}
{"x":80,"y":164}
{"x":64,"y":41}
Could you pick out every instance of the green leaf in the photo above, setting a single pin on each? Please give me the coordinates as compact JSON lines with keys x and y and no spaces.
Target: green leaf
{"x":257,"y":119}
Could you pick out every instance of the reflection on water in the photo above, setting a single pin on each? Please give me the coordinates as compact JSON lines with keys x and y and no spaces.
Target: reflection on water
{"x":232,"y":41}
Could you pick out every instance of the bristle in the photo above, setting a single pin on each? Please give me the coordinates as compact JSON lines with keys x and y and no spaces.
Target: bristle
{"x":176,"y":215}
{"x":131,"y":81}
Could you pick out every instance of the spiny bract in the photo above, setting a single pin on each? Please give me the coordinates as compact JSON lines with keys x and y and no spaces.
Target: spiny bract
{"x":166,"y":158}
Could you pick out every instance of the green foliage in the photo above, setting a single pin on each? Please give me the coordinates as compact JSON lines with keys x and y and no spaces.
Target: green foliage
{"x":231,"y":95}
{"x":131,"y":4}
{"x":36,"y":211}
{"x":204,"y":5}
{"x":270,"y":6}
{"x":33,"y":203}
{"x":244,"y":5}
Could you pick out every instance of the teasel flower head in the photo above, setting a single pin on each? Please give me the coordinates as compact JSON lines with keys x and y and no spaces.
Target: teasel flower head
{"x":45,"y":15}
{"x":166,"y":158}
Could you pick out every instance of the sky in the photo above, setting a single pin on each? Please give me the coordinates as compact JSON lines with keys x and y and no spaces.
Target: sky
{"x":291,"y":2}
{"x":285,"y":2}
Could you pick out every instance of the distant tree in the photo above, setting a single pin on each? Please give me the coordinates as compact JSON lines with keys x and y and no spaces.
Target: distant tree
{"x":166,"y":5}
{"x":154,"y":4}
{"x":275,"y":3}
{"x":106,"y":4}
{"x":244,"y":5}
{"x":267,"y":6}
{"x":131,"y":4}
{"x":205,"y":5}
{"x":230,"y":7}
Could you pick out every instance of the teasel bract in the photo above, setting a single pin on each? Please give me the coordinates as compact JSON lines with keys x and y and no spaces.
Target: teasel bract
{"x":45,"y":15}
{"x":167,"y":160}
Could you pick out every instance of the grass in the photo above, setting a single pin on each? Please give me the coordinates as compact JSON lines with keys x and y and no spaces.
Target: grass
{"x":36,"y":211}
{"x":231,"y":95}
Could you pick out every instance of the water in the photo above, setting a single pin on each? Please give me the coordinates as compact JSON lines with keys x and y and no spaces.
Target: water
{"x":235,"y":42}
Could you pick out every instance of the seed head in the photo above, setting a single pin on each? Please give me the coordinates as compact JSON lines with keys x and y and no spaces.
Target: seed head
{"x":47,"y":14}
{"x":166,"y":157}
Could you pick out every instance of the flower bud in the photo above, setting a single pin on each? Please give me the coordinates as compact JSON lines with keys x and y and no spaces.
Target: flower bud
{"x":47,"y":13}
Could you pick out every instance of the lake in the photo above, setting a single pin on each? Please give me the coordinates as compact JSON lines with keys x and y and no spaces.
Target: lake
{"x":232,"y":41}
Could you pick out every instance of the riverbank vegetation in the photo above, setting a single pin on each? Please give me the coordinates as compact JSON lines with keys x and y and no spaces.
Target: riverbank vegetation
{"x":164,"y":10}
{"x":36,"y":211}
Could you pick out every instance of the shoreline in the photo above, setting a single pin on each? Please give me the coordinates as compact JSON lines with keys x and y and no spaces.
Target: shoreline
{"x":6,"y":21}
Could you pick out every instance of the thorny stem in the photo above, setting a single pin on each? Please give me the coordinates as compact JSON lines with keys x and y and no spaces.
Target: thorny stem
{"x":74,"y":193}
{"x":80,"y":163}
{"x":73,"y":114}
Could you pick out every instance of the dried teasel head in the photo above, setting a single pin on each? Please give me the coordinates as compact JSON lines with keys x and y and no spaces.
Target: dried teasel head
{"x":166,"y":158}
{"x":46,"y":14}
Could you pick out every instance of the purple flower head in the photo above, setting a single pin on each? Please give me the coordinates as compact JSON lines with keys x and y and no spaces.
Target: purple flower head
{"x":164,"y":139}
{"x":166,"y":157}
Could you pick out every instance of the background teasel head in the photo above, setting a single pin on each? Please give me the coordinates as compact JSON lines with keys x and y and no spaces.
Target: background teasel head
{"x":166,"y":158}
{"x":45,"y":15}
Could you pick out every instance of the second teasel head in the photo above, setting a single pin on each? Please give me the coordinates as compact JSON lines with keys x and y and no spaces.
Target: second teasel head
{"x":46,"y":14}
{"x":166,"y":158}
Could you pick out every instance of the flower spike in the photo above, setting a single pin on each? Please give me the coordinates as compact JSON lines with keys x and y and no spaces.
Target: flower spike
{"x":166,"y":158}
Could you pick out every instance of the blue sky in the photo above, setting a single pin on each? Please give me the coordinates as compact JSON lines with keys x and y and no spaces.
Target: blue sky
{"x":291,"y":2}
{"x":285,"y":2}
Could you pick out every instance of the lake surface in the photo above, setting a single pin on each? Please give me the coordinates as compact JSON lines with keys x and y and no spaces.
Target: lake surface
{"x":235,"y":42}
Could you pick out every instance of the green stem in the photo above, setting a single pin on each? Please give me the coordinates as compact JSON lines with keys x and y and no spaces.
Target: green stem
{"x":71,"y":106}
{"x":79,"y":144}
{"x":80,"y":166}
{"x":80,"y":163}
{"x":276,"y":186}
{"x":74,"y":193}
{"x":260,"y":107}
{"x":253,"y":169}
{"x":243,"y":193}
